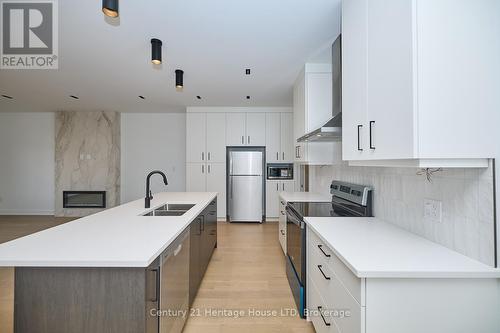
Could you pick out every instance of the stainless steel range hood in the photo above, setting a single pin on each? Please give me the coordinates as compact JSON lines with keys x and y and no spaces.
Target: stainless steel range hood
{"x":332,"y":130}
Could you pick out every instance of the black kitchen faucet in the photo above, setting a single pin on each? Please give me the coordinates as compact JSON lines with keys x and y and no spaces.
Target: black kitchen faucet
{"x":149,"y":195}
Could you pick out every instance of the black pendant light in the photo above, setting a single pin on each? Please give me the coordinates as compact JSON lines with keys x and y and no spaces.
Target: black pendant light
{"x":110,"y":8}
{"x":179,"y":79}
{"x":156,"y":51}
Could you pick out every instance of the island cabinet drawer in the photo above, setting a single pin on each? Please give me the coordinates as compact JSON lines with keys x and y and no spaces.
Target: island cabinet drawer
{"x":318,"y":250}
{"x":318,"y":312}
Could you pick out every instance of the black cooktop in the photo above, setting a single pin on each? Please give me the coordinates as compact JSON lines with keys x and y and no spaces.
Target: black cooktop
{"x":316,"y":209}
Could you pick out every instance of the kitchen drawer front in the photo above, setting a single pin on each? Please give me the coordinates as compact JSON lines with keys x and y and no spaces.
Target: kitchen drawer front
{"x":335,"y":296}
{"x":317,"y":248}
{"x":314,"y":300}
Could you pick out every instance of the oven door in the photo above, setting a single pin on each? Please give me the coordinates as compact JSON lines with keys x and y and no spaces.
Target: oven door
{"x":295,"y":243}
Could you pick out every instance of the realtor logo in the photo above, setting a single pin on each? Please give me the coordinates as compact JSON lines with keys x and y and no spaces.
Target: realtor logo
{"x":29,"y":35}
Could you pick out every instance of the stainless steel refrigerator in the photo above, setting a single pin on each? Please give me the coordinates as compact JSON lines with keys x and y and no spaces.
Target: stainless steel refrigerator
{"x":245,"y":184}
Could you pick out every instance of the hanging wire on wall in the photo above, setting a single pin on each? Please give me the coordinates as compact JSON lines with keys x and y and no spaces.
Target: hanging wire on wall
{"x":429,"y":172}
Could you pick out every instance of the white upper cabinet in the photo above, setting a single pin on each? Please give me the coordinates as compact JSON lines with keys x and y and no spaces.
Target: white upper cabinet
{"x":287,"y":137}
{"x":235,"y":129}
{"x":279,"y":137}
{"x":416,"y":91}
{"x":256,"y":129}
{"x":196,"y":177}
{"x":246,"y":129}
{"x":273,"y":139}
{"x":216,"y":137}
{"x":195,"y":137}
{"x":312,"y":108}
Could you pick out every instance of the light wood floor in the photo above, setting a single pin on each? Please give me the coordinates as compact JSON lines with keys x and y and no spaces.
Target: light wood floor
{"x":246,"y":273}
{"x":12,"y":227}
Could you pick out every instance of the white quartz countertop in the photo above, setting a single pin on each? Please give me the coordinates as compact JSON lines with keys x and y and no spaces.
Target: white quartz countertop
{"x":117,"y":237}
{"x":304,"y":197}
{"x":372,"y":248}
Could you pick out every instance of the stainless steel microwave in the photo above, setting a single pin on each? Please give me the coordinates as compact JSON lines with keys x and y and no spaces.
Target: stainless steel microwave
{"x":280,"y":171}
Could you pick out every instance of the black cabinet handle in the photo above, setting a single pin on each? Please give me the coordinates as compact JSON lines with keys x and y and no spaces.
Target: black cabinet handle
{"x":320,"y":247}
{"x":371,"y":127}
{"x":359,"y":146}
{"x":157,"y":285}
{"x":324,"y":275}
{"x":321,"y":314}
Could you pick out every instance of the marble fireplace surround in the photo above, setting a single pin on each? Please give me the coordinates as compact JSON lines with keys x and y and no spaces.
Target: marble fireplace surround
{"x":87,"y":157}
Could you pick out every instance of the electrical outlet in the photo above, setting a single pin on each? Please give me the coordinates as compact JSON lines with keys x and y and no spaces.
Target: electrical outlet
{"x":433,"y":210}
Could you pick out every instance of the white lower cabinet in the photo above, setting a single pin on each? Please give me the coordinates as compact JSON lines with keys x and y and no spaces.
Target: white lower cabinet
{"x":273,"y":189}
{"x":282,"y":224}
{"x":339,"y":301}
{"x":208,"y":177}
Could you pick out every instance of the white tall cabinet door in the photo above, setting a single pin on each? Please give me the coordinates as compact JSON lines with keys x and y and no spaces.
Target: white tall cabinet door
{"x":273,"y":187}
{"x":287,"y":186}
{"x":390,"y":80}
{"x":196,"y":177}
{"x":287,"y":141}
{"x":256,"y":129}
{"x":216,"y":182}
{"x":235,"y":129}
{"x":195,"y":137}
{"x":273,"y":137}
{"x":354,"y":80}
{"x":216,"y":137}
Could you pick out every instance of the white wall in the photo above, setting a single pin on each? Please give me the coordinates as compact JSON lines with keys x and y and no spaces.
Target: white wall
{"x":26,"y":163}
{"x":154,"y":141}
{"x":467,"y":203}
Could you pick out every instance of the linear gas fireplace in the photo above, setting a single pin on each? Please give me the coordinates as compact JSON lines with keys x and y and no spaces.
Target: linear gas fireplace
{"x":84,"y":199}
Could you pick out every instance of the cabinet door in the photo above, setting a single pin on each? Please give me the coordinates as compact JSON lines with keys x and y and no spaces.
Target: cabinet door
{"x":216,"y":182}
{"x":282,"y":224}
{"x":216,"y":137}
{"x":272,"y":198}
{"x":195,"y":137}
{"x":318,"y":99}
{"x":273,"y":137}
{"x":354,"y":81}
{"x":287,"y":186}
{"x":390,"y":80}
{"x":287,"y":142}
{"x":256,"y":129}
{"x":235,"y":129}
{"x":195,"y":177}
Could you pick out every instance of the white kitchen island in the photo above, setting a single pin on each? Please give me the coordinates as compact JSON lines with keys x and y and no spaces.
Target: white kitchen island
{"x":390,"y":281}
{"x":116,"y":271}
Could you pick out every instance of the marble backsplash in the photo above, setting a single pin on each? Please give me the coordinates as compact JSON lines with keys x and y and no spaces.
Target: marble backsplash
{"x":87,"y":157}
{"x":467,"y":197}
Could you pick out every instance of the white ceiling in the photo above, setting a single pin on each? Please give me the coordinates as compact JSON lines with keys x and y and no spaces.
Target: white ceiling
{"x":107,"y":64}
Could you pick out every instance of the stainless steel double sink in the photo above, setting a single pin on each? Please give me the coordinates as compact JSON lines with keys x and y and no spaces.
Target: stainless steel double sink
{"x":170,"y":210}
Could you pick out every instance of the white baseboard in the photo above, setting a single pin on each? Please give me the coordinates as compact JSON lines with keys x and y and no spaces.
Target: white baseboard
{"x":25,"y":212}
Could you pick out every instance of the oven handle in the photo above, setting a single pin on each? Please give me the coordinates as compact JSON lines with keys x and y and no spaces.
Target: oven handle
{"x":293,"y":218}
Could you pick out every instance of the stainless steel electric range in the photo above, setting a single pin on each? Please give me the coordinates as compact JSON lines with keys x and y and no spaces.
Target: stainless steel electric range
{"x":348,"y":200}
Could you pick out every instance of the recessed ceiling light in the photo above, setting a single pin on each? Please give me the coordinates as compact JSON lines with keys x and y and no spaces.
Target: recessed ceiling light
{"x":74,"y":97}
{"x":142,"y":97}
{"x":7,"y":96}
{"x":247,"y":71}
{"x":179,"y":78}
{"x":248,"y":97}
{"x":110,"y":8}
{"x":156,"y":51}
{"x":199,"y":97}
